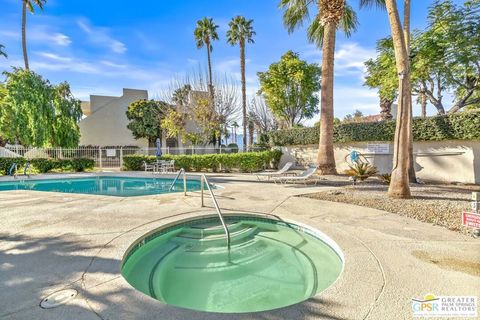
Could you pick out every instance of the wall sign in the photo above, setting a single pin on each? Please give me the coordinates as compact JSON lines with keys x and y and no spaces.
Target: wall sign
{"x":378,"y":148}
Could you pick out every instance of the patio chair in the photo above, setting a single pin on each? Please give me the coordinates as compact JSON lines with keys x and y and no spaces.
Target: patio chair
{"x":160,"y":166}
{"x":281,"y":172}
{"x":170,"y":166}
{"x":304,"y":177}
{"x":149,"y":167}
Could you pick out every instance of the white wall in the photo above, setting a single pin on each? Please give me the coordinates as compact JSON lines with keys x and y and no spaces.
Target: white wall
{"x":107,"y":125}
{"x":443,"y":161}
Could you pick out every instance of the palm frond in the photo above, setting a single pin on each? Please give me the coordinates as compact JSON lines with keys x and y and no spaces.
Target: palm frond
{"x":349,"y":22}
{"x":241,"y":29}
{"x":2,"y":51}
{"x":296,"y":12}
{"x":372,"y":3}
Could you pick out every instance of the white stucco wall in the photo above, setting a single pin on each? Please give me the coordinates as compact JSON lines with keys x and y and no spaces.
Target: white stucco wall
{"x":107,"y":125}
{"x":443,"y":161}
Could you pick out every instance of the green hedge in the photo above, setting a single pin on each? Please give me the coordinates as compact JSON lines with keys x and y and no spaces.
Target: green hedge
{"x":245,"y":162}
{"x":459,"y":126}
{"x":47,"y":165}
{"x":6,"y":163}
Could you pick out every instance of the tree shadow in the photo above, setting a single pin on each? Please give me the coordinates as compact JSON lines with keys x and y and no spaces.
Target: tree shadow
{"x":32,"y":267}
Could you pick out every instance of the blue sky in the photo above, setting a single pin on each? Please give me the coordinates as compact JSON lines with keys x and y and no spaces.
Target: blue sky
{"x":99,"y":47}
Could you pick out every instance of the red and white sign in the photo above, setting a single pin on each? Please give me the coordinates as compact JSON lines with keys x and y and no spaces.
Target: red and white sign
{"x":470,"y":219}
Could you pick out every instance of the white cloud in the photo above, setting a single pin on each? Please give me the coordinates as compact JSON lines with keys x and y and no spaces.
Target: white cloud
{"x":61,"y":39}
{"x":44,"y":34}
{"x":349,"y":58}
{"x":101,"y":36}
{"x":53,"y":56}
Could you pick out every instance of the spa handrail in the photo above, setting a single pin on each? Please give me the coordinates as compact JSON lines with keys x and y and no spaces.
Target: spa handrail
{"x":219,"y":212}
{"x":176,"y":178}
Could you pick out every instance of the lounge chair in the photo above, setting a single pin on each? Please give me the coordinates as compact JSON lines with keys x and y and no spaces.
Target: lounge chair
{"x":304,"y":177}
{"x":280,"y":172}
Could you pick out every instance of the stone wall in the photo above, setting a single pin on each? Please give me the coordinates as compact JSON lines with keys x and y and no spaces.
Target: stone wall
{"x":442,"y":161}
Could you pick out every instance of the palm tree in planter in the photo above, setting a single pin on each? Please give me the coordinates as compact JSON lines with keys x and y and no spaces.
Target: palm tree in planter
{"x":205,"y":33}
{"x":241,"y":32}
{"x":330,"y":15}
{"x":28,"y":4}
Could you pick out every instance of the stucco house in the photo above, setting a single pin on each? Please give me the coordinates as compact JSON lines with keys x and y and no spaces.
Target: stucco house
{"x":105,"y":122}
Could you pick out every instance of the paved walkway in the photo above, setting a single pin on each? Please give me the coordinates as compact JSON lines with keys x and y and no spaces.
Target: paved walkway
{"x":51,"y":241}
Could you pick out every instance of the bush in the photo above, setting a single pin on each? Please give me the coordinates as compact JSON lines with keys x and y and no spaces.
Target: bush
{"x":458,"y":126}
{"x":82,"y":164}
{"x":233,"y":147}
{"x":245,"y":162}
{"x":44,"y":165}
{"x":6,"y":163}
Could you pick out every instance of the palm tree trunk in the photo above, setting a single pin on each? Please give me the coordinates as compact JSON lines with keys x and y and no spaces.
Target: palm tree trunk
{"x":412,"y":176}
{"x":24,"y":33}
{"x":244,"y":92}
{"x":210,"y":78}
{"x":326,"y":159}
{"x":399,"y":185}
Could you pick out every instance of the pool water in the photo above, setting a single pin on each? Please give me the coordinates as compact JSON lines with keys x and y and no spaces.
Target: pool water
{"x":103,"y":185}
{"x":271,"y":264}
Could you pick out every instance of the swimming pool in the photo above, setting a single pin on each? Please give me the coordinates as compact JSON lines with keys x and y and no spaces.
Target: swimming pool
{"x":270,"y":264}
{"x":103,"y":185}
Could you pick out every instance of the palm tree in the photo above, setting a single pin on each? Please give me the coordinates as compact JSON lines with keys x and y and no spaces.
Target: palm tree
{"x":30,"y":5}
{"x":235,"y":126}
{"x":205,"y":33}
{"x":330,"y":15}
{"x":241,"y":32}
{"x":399,"y":185}
{"x":2,"y":51}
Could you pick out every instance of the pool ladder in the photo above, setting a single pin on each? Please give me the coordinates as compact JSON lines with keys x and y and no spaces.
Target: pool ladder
{"x":184,"y":181}
{"x":203,"y":182}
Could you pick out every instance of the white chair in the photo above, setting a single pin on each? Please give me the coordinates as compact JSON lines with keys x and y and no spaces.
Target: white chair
{"x":280,"y":172}
{"x":304,"y":177}
{"x":149,"y":167}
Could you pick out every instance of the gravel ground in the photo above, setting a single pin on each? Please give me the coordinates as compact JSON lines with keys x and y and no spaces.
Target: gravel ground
{"x":433,"y":203}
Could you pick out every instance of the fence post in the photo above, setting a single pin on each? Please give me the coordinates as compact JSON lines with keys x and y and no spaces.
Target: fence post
{"x":100,"y":157}
{"x":193,"y":149}
{"x":168,"y":150}
{"x":121,"y":158}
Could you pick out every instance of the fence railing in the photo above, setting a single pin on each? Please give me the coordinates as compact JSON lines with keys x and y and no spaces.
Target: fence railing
{"x":110,"y":157}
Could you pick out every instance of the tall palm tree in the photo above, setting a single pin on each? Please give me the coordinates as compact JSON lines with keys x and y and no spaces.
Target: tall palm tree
{"x":2,"y":51}
{"x":205,"y":33}
{"x":28,"y":4}
{"x":330,"y":15}
{"x":399,"y":185}
{"x":241,"y":32}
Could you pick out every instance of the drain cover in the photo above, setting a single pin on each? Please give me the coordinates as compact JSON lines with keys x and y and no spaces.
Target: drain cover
{"x":58,"y":298}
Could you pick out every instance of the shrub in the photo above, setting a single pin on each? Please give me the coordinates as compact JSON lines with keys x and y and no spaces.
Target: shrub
{"x":233,"y":147}
{"x":458,"y":126}
{"x":45,"y":165}
{"x":245,"y":162}
{"x":82,"y":164}
{"x":361,"y":171}
{"x":6,"y":163}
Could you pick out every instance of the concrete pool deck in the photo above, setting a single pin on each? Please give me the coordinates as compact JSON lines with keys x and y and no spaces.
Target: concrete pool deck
{"x":51,"y":241}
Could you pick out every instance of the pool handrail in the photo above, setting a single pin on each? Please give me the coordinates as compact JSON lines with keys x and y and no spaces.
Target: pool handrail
{"x":203,"y":181}
{"x":182,"y":170}
{"x":13,"y":169}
